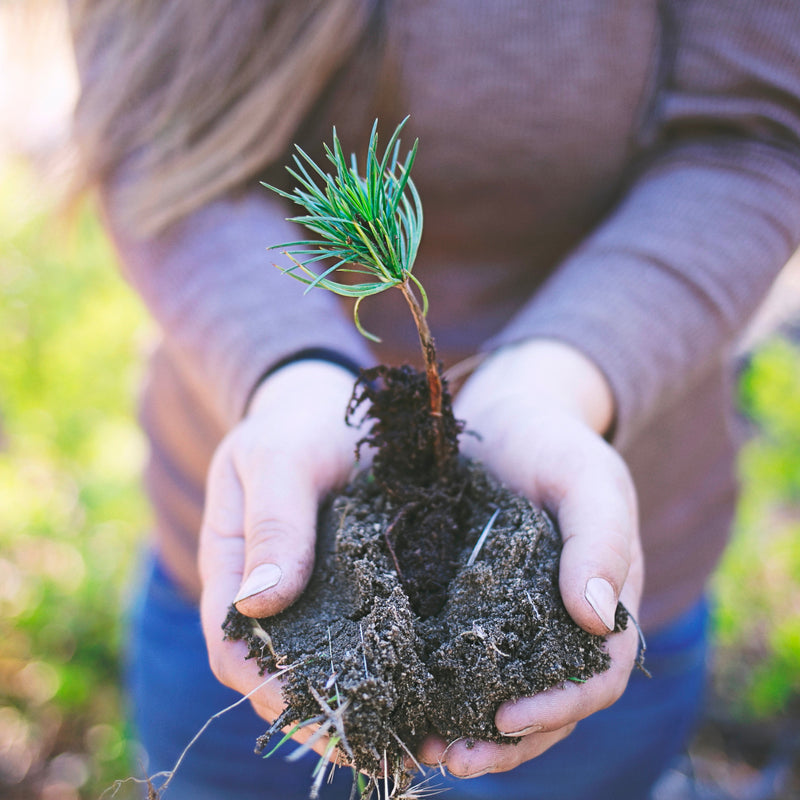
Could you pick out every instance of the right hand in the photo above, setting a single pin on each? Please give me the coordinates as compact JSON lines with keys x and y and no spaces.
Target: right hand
{"x":264,"y":487}
{"x":541,"y":408}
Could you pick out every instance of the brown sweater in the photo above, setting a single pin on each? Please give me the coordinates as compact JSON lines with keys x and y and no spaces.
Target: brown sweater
{"x":621,"y":175}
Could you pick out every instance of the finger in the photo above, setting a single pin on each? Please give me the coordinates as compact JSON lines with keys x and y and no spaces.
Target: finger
{"x":431,"y":751}
{"x":221,"y":555}
{"x":465,"y":759}
{"x":571,"y":702}
{"x":598,"y":520}
{"x":280,"y":512}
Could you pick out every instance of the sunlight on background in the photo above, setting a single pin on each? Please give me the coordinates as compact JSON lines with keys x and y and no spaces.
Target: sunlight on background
{"x":38,"y":84}
{"x":70,"y":508}
{"x":72,"y":341}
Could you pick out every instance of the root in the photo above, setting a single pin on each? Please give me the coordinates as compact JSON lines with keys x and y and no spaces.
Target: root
{"x":420,"y":790}
{"x":639,"y":663}
{"x":387,"y":535}
{"x":152,"y":792}
{"x":156,"y":793}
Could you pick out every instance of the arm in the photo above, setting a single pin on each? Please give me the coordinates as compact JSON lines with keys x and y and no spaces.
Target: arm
{"x":637,"y":314}
{"x":669,"y":280}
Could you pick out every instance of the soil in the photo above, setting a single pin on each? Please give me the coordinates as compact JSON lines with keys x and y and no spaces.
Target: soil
{"x":395,"y":641}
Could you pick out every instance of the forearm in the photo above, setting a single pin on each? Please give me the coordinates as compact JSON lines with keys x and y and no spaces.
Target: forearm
{"x":659,"y":292}
{"x":665,"y":284}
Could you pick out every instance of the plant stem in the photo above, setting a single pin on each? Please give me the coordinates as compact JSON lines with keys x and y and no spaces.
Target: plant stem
{"x":431,"y":369}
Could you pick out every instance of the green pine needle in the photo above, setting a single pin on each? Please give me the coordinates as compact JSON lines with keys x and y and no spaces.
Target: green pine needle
{"x":367,"y":226}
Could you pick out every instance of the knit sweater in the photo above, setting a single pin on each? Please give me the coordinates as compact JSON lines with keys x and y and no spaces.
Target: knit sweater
{"x":623,"y":176}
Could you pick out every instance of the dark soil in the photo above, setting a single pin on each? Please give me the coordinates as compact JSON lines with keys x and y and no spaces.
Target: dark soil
{"x":396,"y":641}
{"x":416,"y":467}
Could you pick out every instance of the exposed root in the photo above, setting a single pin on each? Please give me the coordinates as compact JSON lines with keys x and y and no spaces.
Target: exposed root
{"x":533,"y":606}
{"x":156,"y":793}
{"x":266,"y":639}
{"x":444,"y":753}
{"x":639,"y":663}
{"x":152,"y":792}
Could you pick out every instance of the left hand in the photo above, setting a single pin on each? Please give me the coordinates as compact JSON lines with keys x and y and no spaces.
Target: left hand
{"x":541,"y":409}
{"x":264,"y":485}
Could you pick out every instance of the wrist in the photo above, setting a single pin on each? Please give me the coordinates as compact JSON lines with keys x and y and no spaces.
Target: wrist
{"x":304,"y":386}
{"x":323,"y":355}
{"x":551,"y":376}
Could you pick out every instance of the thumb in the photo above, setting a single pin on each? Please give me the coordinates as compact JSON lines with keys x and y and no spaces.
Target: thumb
{"x":601,"y":559}
{"x":280,"y":512}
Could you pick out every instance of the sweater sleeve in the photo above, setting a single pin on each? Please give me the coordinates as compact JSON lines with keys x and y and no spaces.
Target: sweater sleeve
{"x":227,"y":314}
{"x":666,"y":282}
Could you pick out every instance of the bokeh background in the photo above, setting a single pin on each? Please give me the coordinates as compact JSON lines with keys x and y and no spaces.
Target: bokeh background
{"x":72,"y":516}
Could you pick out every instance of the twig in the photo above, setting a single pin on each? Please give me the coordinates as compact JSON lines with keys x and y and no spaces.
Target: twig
{"x":408,"y":752}
{"x":333,"y":669}
{"x":363,"y":651}
{"x":479,"y":544}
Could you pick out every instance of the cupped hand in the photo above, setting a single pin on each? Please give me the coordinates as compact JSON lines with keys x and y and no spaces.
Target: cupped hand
{"x":264,"y":486}
{"x":540,"y":409}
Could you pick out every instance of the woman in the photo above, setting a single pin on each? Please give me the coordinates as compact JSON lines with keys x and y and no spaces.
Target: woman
{"x":609,"y":190}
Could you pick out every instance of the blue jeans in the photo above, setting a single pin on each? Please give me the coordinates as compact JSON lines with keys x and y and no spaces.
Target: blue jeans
{"x":616,"y":754}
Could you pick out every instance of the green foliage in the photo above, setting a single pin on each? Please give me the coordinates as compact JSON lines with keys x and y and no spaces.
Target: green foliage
{"x":70,"y":509}
{"x":368,"y":226}
{"x":757,"y":589}
{"x":770,"y":396}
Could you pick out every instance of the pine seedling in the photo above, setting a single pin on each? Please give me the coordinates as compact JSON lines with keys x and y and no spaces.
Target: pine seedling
{"x":370,"y":228}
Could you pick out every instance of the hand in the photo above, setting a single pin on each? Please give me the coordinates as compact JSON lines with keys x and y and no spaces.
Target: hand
{"x":259,"y":526}
{"x":540,"y":409}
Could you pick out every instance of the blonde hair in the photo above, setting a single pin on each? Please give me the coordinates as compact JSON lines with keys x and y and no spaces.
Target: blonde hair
{"x":192,"y":99}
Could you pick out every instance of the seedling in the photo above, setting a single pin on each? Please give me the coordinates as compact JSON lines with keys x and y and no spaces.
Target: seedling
{"x":370,"y":226}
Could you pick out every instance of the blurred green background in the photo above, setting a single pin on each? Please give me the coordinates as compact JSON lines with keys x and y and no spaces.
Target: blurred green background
{"x":71,"y":511}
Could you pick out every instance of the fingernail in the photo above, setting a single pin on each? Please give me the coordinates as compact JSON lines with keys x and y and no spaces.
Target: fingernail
{"x":477,"y":774}
{"x":538,"y":728}
{"x":601,"y":597}
{"x":263,"y":577}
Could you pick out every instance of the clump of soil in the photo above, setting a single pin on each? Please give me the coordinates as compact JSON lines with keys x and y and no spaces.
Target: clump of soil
{"x":416,"y":467}
{"x":404,"y":629}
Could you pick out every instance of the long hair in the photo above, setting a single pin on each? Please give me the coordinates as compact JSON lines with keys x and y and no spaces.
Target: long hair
{"x":190,"y":99}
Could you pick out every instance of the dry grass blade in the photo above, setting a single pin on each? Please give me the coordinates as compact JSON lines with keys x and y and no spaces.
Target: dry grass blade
{"x":483,"y":537}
